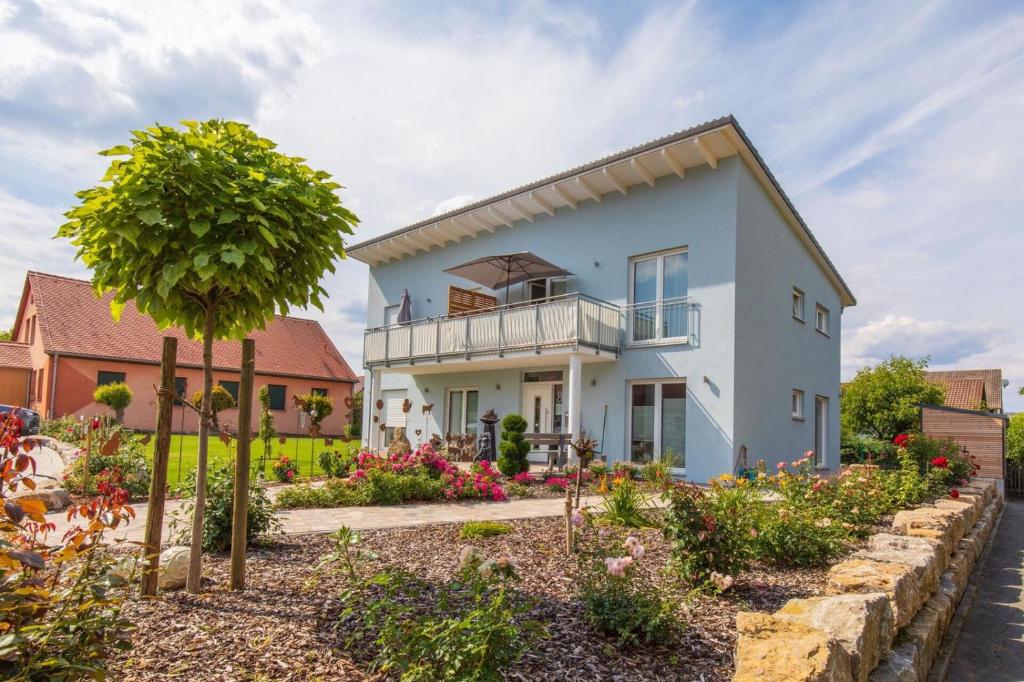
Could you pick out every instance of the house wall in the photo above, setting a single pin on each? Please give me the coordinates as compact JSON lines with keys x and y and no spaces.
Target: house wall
{"x":775,"y":353}
{"x":76,"y":381}
{"x":983,"y":436}
{"x":595,"y":243}
{"x":42,"y":364}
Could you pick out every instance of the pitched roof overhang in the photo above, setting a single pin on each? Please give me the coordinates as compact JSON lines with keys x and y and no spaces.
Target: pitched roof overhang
{"x":704,"y":144}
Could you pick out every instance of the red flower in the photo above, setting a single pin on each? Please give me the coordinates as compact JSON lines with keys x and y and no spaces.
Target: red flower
{"x":289,"y":473}
{"x":954,"y":493}
{"x":901,"y":440}
{"x":940,"y":462}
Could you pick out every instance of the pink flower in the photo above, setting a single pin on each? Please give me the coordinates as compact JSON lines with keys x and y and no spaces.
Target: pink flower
{"x":633,"y":546}
{"x":780,"y":465}
{"x":577,"y":518}
{"x":722,"y":582}
{"x":617,"y":565}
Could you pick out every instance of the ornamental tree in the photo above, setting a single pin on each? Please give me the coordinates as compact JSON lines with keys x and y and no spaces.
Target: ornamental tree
{"x":117,"y":396}
{"x":210,"y":228}
{"x":884,"y":401}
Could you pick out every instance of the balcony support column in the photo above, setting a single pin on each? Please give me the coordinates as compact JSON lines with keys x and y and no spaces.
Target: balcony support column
{"x":575,"y":390}
{"x":371,"y":430}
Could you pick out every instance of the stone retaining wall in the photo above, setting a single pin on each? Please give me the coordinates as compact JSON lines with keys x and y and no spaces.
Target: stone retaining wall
{"x":886,"y":607}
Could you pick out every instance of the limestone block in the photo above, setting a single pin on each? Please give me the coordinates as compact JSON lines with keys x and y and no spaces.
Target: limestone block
{"x":940,"y":524}
{"x":897,"y":581}
{"x":926,"y":557}
{"x":772,"y":649}
{"x":899,"y":666}
{"x":55,"y":499}
{"x":925,"y":631}
{"x":943,"y":604}
{"x":173,"y":568}
{"x":863,"y":624}
{"x":971,"y":511}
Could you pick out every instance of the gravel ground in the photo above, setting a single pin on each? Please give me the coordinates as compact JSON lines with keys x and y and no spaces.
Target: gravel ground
{"x":284,"y":626}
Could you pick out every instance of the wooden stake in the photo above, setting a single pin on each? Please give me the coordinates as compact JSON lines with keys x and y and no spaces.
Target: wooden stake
{"x":161,"y":457}
{"x":85,"y":467}
{"x":240,"y":515}
{"x":568,"y":520}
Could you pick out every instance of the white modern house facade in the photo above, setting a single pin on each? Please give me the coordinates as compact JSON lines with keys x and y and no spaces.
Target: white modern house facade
{"x":701,"y":320}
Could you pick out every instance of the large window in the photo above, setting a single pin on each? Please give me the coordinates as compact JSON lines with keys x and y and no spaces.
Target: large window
{"x":276,"y":396}
{"x":231,"y":387}
{"x":103,"y":378}
{"x":657,"y":422}
{"x":820,"y":429}
{"x":658,"y":290}
{"x":462,"y":412}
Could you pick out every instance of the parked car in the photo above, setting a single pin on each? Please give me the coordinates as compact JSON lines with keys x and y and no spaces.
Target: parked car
{"x":29,"y":418}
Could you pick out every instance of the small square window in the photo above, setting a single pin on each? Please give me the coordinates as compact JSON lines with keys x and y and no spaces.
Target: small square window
{"x":276,"y":396}
{"x":180,"y":388}
{"x":798,"y":404}
{"x":798,"y":304}
{"x":821,"y":319}
{"x":103,"y":378}
{"x":232,"y":388}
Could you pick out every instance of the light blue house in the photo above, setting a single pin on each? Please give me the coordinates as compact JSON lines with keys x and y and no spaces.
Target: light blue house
{"x":700,"y":321}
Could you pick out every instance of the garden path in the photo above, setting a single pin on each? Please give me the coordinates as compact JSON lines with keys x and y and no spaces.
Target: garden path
{"x":991,"y":644}
{"x":300,"y":521}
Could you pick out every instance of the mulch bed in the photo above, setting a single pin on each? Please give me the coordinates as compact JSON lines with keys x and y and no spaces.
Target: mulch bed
{"x":284,"y":627}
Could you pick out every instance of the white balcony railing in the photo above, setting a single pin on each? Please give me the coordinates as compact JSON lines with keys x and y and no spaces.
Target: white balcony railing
{"x":667,"y":320}
{"x":571,"y":321}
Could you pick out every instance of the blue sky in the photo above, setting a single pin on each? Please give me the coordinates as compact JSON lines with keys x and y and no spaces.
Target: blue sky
{"x":896,"y":128}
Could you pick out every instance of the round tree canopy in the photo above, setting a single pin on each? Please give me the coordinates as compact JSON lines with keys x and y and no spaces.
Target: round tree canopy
{"x":210,"y":216}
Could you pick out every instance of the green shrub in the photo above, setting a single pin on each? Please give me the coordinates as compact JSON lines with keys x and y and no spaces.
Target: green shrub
{"x":387,"y":487}
{"x":472,"y":628}
{"x":905,"y":486}
{"x":597,"y":468}
{"x":798,"y":537}
{"x":513,"y":448}
{"x":130,"y":461}
{"x":220,"y":400}
{"x":321,"y":404}
{"x":335,"y":463}
{"x":1015,"y":438}
{"x":656,"y":472}
{"x":711,"y":531}
{"x":266,"y":433}
{"x":619,"y":602}
{"x":65,"y":429}
{"x":217,"y":520}
{"x":117,"y":396}
{"x":626,"y":505}
{"x":478,"y":530}
{"x":334,"y":493}
{"x":518,"y":490}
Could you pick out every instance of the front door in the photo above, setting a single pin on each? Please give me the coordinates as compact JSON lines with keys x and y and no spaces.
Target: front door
{"x":538,"y":408}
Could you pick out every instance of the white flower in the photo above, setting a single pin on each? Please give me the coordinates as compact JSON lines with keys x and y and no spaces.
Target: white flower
{"x":468,"y":556}
{"x":722,"y":582}
{"x":487,"y":569}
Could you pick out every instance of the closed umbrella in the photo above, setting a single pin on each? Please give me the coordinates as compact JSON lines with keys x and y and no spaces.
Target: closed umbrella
{"x":405,"y":309}
{"x":495,"y":272}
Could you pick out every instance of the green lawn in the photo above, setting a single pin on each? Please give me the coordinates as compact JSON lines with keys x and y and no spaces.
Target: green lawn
{"x":304,"y":451}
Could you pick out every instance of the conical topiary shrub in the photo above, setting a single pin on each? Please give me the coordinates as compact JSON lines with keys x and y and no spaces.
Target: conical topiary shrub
{"x":513,"y":448}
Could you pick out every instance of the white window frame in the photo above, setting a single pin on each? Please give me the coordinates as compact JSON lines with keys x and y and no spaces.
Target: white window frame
{"x":821,"y":319}
{"x":659,"y":300}
{"x":821,"y":445}
{"x":391,"y":311}
{"x":548,"y":281}
{"x":799,"y":304}
{"x":658,"y":383}
{"x":464,"y":390}
{"x":797,"y":404}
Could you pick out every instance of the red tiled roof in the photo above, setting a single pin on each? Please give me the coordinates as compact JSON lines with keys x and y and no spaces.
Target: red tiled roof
{"x":72,"y":321}
{"x":15,"y":355}
{"x":967,"y":388}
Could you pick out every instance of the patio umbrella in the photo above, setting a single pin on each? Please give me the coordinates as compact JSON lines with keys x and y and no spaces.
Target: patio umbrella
{"x":405,"y":309}
{"x":495,"y":272}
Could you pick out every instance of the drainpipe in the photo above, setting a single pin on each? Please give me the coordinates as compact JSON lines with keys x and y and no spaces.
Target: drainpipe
{"x":53,"y":386}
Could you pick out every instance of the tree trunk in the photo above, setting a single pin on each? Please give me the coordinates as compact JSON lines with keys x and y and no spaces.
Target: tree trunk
{"x":195,"y":557}
{"x":240,"y":508}
{"x":161,"y":455}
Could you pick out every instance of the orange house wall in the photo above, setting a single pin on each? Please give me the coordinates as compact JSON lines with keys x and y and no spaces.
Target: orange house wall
{"x":40,"y":360}
{"x":76,"y":381}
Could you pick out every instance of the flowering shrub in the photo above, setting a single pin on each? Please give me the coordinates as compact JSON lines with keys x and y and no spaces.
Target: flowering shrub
{"x":627,"y":506}
{"x":128,"y":465}
{"x":799,"y":537}
{"x":524,"y":478}
{"x":469,"y":629}
{"x":335,"y":463}
{"x":60,"y":600}
{"x":285,"y":470}
{"x":619,"y":602}
{"x":557,"y":482}
{"x":711,"y":530}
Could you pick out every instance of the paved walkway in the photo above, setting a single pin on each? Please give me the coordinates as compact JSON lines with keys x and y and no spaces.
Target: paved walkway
{"x":991,"y":644}
{"x":299,"y":521}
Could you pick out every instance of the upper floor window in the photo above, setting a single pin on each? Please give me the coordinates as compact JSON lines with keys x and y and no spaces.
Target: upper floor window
{"x":391,"y":315}
{"x":821,"y":319}
{"x":103,"y":378}
{"x":798,"y":404}
{"x":798,"y":304}
{"x":657,"y":296}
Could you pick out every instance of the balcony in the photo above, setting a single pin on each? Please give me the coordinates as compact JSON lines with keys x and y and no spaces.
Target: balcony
{"x":555,"y":326}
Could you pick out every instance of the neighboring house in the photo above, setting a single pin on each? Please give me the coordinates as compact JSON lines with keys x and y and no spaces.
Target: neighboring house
{"x":15,"y":373}
{"x":74,"y":345}
{"x":701,"y":320}
{"x":970,"y":389}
